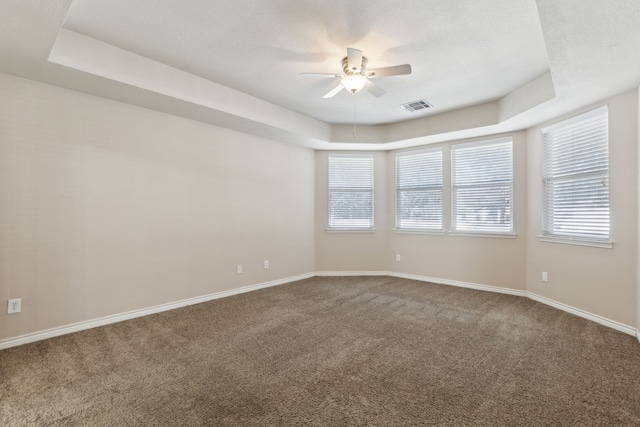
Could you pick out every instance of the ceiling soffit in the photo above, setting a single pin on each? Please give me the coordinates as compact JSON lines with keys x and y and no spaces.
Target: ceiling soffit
{"x":178,"y":59}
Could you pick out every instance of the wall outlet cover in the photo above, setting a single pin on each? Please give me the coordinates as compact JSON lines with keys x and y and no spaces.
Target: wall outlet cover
{"x":14,"y":306}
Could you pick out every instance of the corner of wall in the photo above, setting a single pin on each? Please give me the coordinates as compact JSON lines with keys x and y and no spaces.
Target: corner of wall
{"x":638,"y":218}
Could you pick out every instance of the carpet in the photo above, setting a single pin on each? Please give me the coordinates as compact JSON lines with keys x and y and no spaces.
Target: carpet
{"x":332,"y":351}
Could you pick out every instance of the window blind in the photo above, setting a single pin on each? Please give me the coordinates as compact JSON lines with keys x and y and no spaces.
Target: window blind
{"x":351,"y":191}
{"x":419,"y":190}
{"x":576,"y":178}
{"x":482,"y":187}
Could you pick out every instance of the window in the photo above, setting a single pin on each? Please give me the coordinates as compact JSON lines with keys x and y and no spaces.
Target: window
{"x":419,"y":190}
{"x":576,"y":178}
{"x":351,"y":192}
{"x":482,"y":187}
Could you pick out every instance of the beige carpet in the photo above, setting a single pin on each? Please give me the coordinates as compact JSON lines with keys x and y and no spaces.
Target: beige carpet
{"x":332,"y":351}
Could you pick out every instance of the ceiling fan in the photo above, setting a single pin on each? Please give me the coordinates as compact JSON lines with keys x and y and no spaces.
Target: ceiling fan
{"x":356,"y":75}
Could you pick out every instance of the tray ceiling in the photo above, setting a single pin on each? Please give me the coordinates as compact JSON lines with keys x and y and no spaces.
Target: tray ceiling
{"x":237,"y":63}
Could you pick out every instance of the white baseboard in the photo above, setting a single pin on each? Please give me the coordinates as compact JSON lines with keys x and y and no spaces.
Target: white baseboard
{"x":94,"y":323}
{"x":351,"y":273}
{"x":560,"y":306}
{"x":584,"y":314}
{"x":477,"y":286}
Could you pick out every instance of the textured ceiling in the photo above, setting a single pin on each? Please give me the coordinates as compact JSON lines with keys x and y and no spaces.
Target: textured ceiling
{"x":487,"y":67}
{"x":261,"y":47}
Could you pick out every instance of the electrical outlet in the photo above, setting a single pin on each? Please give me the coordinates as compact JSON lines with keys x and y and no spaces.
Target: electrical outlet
{"x":398,"y":258}
{"x":239,"y":269}
{"x":14,"y":306}
{"x":545,"y":277}
{"x":266,"y":264}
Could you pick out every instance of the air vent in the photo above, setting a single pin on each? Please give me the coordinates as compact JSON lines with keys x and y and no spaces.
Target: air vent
{"x":416,"y":105}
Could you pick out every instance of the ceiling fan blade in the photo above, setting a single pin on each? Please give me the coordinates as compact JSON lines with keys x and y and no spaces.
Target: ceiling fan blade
{"x":396,"y":70}
{"x":321,"y":74}
{"x":334,"y":91}
{"x":374,"y":89}
{"x":354,"y":59}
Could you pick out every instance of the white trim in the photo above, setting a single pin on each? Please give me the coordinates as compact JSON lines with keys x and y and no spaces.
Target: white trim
{"x":505,"y":149}
{"x":89,"y":324}
{"x":473,"y":234}
{"x":558,"y":305}
{"x":359,"y":155}
{"x":579,"y":242}
{"x":439,"y":232}
{"x":584,"y":314}
{"x":351,"y":230}
{"x":476,"y":286}
{"x":102,"y":321}
{"x":351,"y":273}
{"x":427,"y":163}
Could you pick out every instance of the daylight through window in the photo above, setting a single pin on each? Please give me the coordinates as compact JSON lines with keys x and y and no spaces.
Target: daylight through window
{"x":576,"y":178}
{"x":351,"y":192}
{"x":419,"y":190}
{"x":482,"y":187}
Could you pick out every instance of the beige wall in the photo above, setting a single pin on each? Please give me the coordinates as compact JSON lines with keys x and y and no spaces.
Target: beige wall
{"x":107,"y":208}
{"x":480,"y":260}
{"x":352,"y":251}
{"x":598,"y":280}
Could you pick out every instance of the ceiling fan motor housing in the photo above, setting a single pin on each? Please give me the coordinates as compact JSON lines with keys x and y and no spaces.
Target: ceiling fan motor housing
{"x":347,"y":70}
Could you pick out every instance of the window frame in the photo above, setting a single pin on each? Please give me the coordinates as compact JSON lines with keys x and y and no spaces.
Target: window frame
{"x":455,"y":186}
{"x":438,"y":152}
{"x":370,"y":189}
{"x":577,"y":123}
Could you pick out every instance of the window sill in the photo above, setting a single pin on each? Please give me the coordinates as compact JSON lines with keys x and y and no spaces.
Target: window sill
{"x":578,"y":242}
{"x":418,"y":231}
{"x":351,"y":230}
{"x":493,"y":235}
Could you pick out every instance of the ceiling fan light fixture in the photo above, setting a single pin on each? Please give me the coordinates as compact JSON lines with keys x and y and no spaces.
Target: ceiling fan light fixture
{"x":354,"y":82}
{"x":356,"y":75}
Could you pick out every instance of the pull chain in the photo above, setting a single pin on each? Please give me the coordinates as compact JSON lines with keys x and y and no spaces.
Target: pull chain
{"x":354,"y":116}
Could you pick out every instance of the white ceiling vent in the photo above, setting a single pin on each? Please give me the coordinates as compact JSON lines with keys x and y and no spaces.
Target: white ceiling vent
{"x":417,"y":105}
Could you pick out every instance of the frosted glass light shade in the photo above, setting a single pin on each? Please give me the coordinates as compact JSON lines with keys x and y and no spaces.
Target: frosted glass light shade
{"x":354,"y":82}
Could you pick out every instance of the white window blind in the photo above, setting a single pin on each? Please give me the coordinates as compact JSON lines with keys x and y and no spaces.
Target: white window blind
{"x":419,"y":190}
{"x":351,"y":191}
{"x":576,"y":178}
{"x":482,"y":187}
